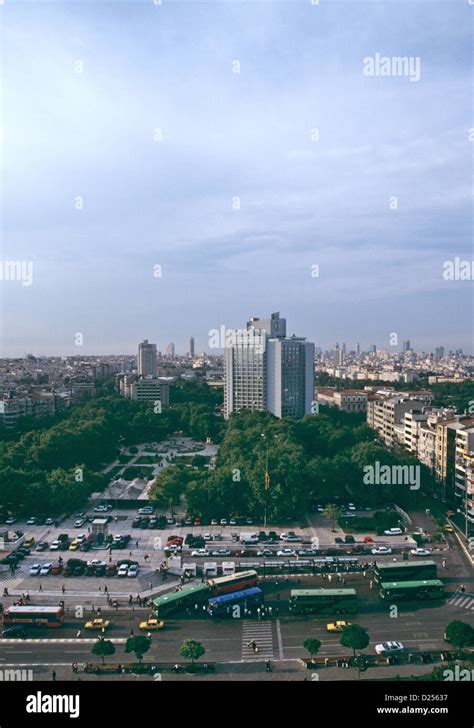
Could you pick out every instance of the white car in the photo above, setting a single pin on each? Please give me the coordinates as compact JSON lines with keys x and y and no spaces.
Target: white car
{"x":122,"y":570}
{"x":393,"y":532}
{"x":96,"y":562}
{"x":55,"y":546}
{"x":207,"y":537}
{"x":351,"y":507}
{"x":286,"y":552}
{"x":389,"y":648}
{"x":145,"y":511}
{"x":132,"y":570}
{"x":79,"y":522}
{"x":381,"y":550}
{"x":81,"y":538}
{"x":35,"y":569}
{"x":31,"y":521}
{"x":420,"y":552}
{"x":45,"y":569}
{"x":307,"y":552}
{"x":221,"y":552}
{"x":100,"y":509}
{"x":49,"y":522}
{"x":200,"y":552}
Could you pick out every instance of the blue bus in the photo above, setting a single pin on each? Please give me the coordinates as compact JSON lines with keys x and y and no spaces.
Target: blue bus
{"x":225,"y":605}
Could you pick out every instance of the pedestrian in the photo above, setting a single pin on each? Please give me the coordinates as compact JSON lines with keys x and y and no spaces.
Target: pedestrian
{"x":149,"y":635}
{"x":78,"y":634}
{"x":40,"y":588}
{"x":371,"y":584}
{"x":100,"y":589}
{"x":150,"y":585}
{"x":136,"y":543}
{"x":53,"y":676}
{"x":444,"y":563}
{"x":106,"y":590}
{"x":130,"y":599}
{"x":63,"y":589}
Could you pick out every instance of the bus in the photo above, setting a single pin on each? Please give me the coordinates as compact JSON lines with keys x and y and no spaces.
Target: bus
{"x":233,"y":582}
{"x":34,"y":616}
{"x":323,"y":601}
{"x":412,"y":590}
{"x":225,"y":605}
{"x":405,"y":571}
{"x":187,"y":597}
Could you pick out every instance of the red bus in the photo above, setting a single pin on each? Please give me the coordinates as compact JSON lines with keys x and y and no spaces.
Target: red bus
{"x":235,"y":582}
{"x":34,"y":616}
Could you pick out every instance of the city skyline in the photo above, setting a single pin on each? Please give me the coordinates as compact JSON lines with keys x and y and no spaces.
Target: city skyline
{"x":301,"y":181}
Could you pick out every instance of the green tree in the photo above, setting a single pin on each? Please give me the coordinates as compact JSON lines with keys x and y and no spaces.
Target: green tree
{"x":332,"y":512}
{"x":312,"y":646}
{"x":191,"y":650}
{"x":103,"y":648}
{"x":459,"y":634}
{"x":139,"y":645}
{"x":354,"y":637}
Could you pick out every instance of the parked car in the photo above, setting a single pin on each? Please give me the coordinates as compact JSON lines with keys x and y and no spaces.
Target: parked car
{"x":96,"y":562}
{"x":207,"y":537}
{"x":338,"y":540}
{"x":145,"y":511}
{"x":223,"y":521}
{"x":286,"y":552}
{"x":79,"y":522}
{"x":389,"y":648}
{"x":200,"y":552}
{"x":132,"y":571}
{"x":41,"y":546}
{"x":31,"y":521}
{"x":56,"y":569}
{"x":10,"y":520}
{"x":35,"y":569}
{"x":136,"y":522}
{"x":46,"y":569}
{"x":266,"y":553}
{"x":420,"y":552}
{"x":214,"y":522}
{"x":381,"y":550}
{"x":368,"y":539}
{"x":49,"y":522}
{"x":122,"y":570}
{"x":393,"y":532}
{"x":307,"y":552}
{"x":221,"y":552}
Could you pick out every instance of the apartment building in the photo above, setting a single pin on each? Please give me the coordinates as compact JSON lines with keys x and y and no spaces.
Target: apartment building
{"x":346,"y":400}
{"x":464,"y":472}
{"x":145,"y":389}
{"x":264,"y":369}
{"x":386,"y":413}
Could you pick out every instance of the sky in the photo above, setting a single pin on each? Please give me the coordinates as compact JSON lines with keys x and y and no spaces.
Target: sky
{"x":172,"y":168}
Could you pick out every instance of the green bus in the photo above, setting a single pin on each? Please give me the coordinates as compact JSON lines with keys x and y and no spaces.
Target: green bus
{"x":188,"y":597}
{"x":412,"y":590}
{"x":405,"y":571}
{"x":323,"y":601}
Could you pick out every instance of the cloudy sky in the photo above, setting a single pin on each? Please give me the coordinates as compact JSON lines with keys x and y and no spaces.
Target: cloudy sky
{"x":236,"y":183}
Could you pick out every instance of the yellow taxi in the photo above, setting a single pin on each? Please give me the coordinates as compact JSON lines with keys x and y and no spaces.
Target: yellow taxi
{"x":337,"y":626}
{"x":448,"y":528}
{"x":152,"y":623}
{"x":74,"y":545}
{"x":97,"y":623}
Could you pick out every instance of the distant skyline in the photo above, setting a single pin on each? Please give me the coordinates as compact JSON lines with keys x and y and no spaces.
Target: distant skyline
{"x":209,"y":195}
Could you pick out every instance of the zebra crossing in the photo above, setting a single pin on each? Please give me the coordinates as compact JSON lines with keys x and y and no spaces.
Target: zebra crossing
{"x":462,"y":600}
{"x":262,"y":634}
{"x":58,"y":641}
